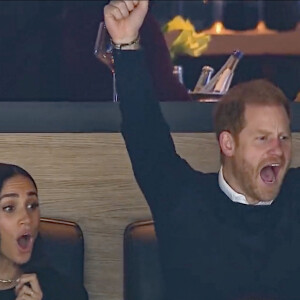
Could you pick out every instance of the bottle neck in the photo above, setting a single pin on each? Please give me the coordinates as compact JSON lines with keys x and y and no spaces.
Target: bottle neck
{"x":232,"y":63}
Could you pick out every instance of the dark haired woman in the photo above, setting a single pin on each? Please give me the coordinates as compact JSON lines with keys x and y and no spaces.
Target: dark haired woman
{"x":22,"y":274}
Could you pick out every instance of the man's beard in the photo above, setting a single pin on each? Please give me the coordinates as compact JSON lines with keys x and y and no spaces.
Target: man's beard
{"x":251,"y":185}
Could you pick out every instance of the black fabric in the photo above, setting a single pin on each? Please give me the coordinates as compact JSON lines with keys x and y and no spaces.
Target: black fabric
{"x":210,"y":247}
{"x":54,"y":287}
{"x":7,"y":295}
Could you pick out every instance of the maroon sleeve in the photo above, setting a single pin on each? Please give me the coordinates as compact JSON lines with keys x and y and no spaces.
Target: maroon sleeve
{"x":159,"y":63}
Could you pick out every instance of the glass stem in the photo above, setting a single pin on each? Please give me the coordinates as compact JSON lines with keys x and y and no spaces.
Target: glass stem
{"x":115,"y":95}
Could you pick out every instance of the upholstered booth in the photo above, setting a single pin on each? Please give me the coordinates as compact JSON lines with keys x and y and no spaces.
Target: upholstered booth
{"x":142,"y":271}
{"x":64,"y":246}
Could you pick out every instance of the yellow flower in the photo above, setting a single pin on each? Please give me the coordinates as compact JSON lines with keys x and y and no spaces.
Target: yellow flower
{"x":178,"y":23}
{"x":188,"y":42}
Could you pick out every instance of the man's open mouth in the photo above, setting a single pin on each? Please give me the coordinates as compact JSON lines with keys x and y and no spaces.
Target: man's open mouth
{"x":270,"y":172}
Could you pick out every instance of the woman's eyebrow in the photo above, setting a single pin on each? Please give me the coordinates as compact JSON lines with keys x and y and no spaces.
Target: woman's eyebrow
{"x":15,"y":195}
{"x":9,"y":195}
{"x":30,"y":194}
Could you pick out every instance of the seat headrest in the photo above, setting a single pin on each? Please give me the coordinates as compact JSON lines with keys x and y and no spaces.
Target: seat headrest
{"x":63,"y":245}
{"x":142,"y":270}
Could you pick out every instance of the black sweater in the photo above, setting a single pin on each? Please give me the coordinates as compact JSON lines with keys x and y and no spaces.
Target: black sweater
{"x":211,"y":247}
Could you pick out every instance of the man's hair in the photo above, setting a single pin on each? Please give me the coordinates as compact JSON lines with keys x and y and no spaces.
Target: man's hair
{"x":229,"y":114}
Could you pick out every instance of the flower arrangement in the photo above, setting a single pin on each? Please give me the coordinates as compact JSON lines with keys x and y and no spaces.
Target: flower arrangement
{"x":187,"y":41}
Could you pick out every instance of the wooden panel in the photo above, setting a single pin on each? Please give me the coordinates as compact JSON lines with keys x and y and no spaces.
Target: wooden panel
{"x":251,"y":42}
{"x":87,"y":178}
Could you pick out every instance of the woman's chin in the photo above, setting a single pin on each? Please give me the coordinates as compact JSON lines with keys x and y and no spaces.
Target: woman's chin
{"x":22,"y":258}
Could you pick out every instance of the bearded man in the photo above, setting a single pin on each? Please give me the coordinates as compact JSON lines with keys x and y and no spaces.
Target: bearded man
{"x":231,"y":235}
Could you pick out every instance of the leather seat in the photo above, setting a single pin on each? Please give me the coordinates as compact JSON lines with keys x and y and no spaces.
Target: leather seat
{"x":142,"y":270}
{"x":63,"y":246}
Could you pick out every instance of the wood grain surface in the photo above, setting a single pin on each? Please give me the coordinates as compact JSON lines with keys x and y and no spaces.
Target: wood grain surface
{"x":87,"y":178}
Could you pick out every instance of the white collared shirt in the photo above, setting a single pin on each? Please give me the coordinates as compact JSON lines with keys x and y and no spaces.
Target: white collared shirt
{"x":233,"y":195}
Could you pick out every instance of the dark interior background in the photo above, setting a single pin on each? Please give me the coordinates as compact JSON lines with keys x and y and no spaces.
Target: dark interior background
{"x":46,"y":47}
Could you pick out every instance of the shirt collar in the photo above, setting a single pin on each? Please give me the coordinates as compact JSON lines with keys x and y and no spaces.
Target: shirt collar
{"x":232,"y":194}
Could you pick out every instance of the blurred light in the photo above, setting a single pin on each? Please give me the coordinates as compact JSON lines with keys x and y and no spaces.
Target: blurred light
{"x":216,"y":28}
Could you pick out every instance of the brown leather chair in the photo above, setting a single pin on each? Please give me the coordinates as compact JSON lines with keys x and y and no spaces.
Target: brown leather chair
{"x":63,"y":245}
{"x":142,"y":270}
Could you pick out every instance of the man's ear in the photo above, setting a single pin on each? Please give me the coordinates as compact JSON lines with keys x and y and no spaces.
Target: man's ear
{"x":227,"y":143}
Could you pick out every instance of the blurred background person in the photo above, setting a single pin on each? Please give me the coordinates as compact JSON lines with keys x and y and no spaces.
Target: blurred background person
{"x":86,"y":78}
{"x":46,"y":48}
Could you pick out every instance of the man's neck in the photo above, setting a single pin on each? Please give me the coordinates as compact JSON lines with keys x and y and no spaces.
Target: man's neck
{"x":231,"y":188}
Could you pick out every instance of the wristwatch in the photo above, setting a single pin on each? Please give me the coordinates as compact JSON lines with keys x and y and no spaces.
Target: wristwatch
{"x":134,"y":45}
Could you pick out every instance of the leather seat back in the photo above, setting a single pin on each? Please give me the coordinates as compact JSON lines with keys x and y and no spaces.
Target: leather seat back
{"x":63,"y":245}
{"x":142,"y":270}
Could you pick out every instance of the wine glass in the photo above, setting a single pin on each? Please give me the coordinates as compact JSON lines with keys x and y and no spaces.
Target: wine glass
{"x":103,"y":51}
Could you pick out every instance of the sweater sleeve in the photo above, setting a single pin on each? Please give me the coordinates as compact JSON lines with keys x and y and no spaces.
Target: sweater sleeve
{"x":159,"y":171}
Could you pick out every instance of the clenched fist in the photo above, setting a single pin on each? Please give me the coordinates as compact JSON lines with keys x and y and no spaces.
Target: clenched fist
{"x":123,"y":19}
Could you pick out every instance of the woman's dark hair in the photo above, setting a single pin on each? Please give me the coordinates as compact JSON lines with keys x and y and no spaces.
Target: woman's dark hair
{"x":8,"y":171}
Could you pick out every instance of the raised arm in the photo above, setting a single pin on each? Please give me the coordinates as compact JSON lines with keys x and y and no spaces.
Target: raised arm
{"x":160,"y":172}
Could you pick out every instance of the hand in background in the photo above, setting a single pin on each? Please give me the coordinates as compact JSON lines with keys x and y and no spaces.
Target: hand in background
{"x":123,"y":19}
{"x":28,"y":288}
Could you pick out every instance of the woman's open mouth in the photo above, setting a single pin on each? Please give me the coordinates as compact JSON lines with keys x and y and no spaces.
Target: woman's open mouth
{"x":269,"y":173}
{"x":25,"y":242}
